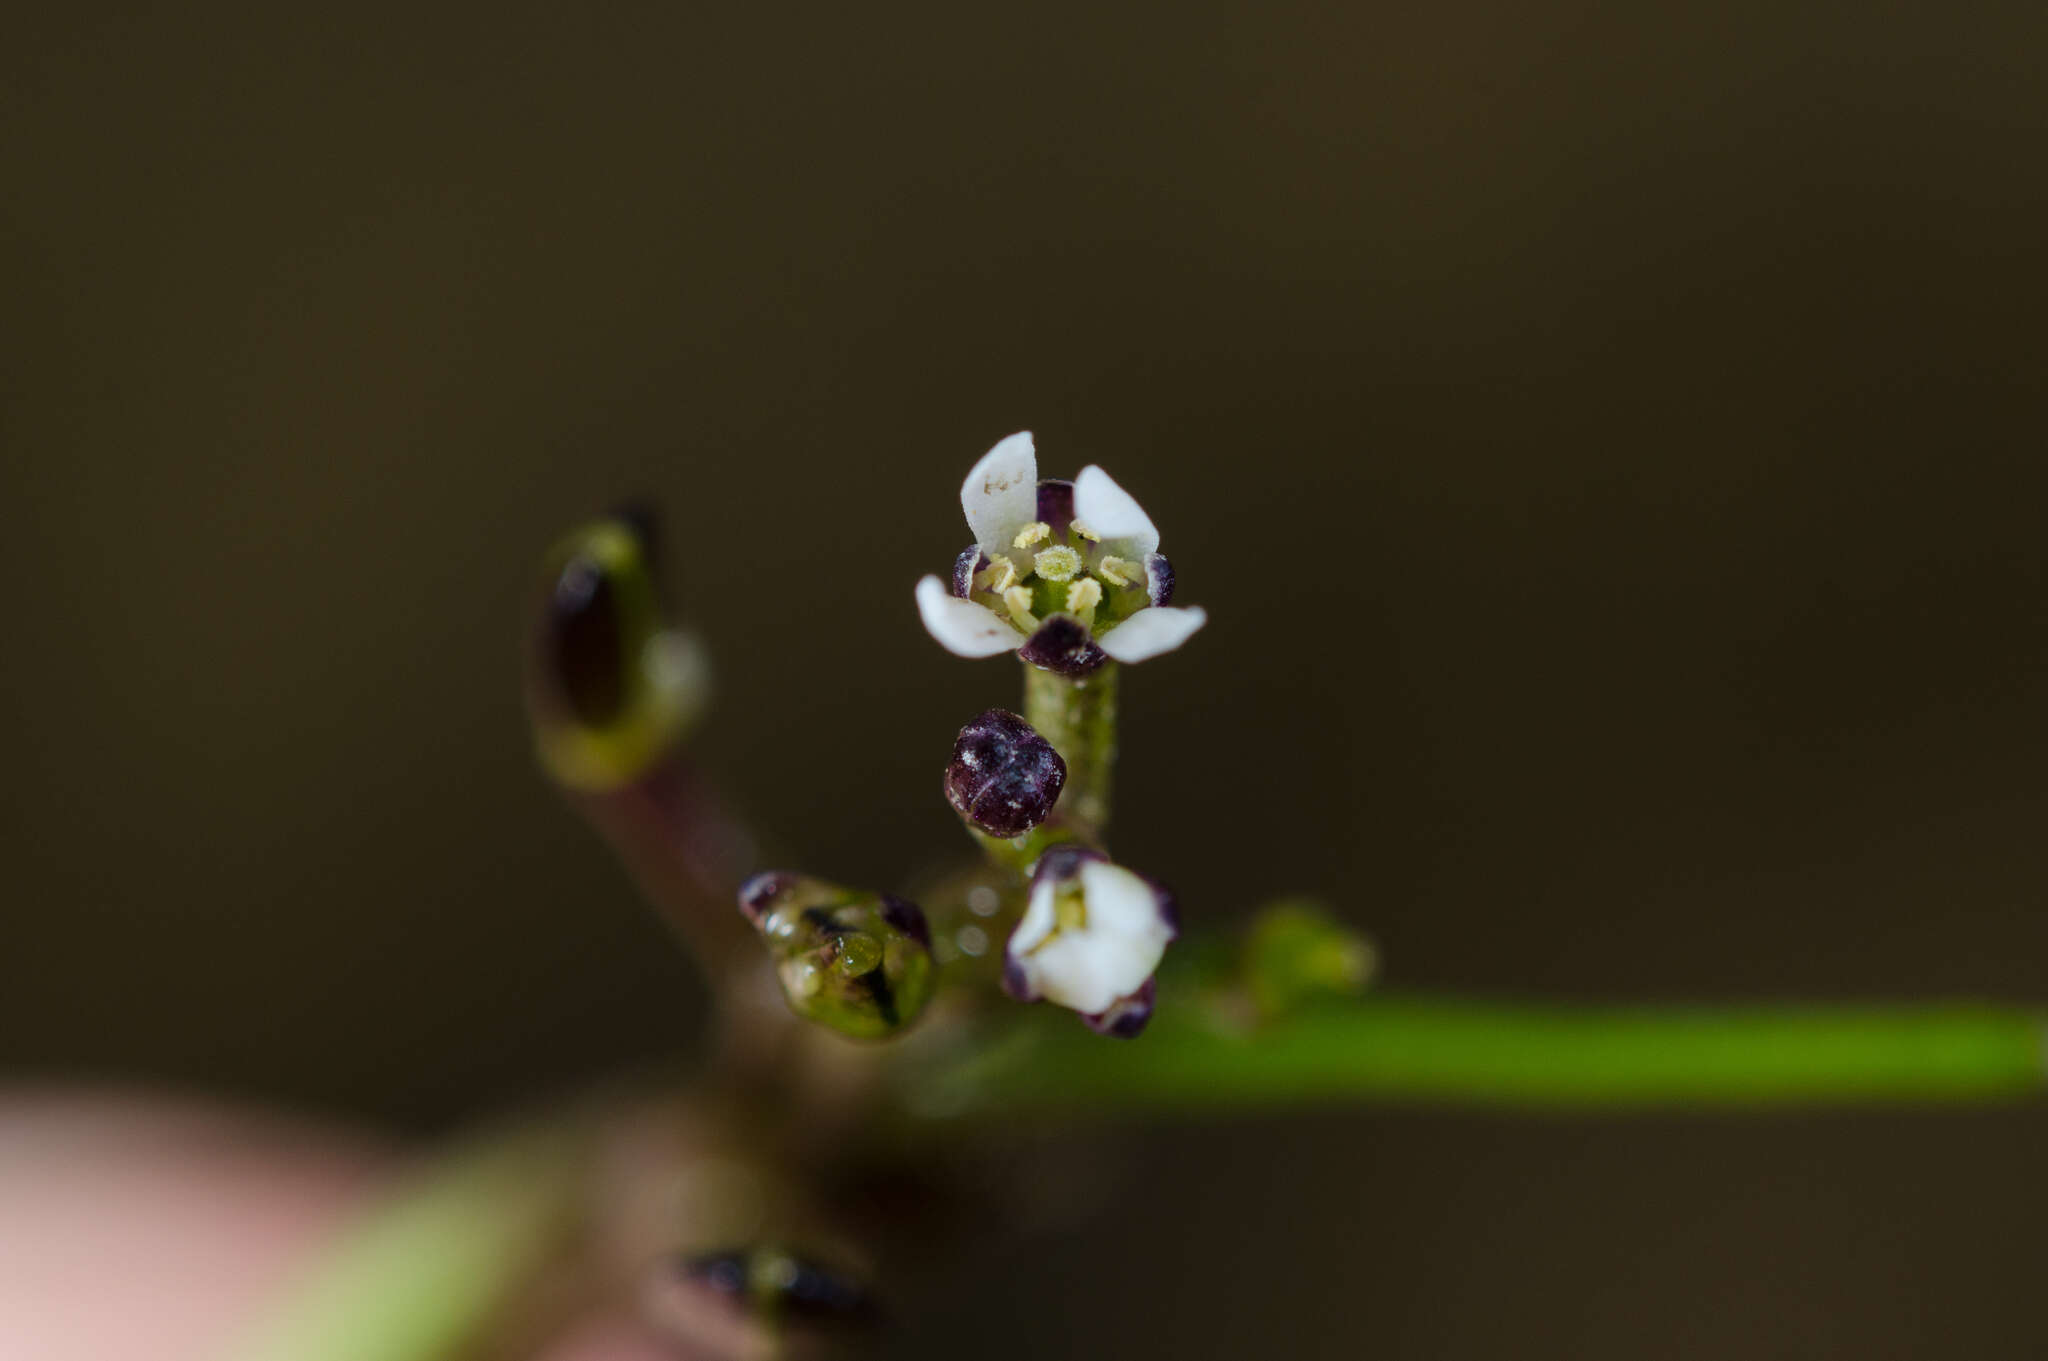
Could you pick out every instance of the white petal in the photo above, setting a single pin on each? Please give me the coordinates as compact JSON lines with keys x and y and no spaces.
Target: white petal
{"x":1073,"y":971}
{"x":1000,"y":495}
{"x":1090,"y":967}
{"x":962,"y":627}
{"x":1087,"y":970}
{"x":1149,"y":632}
{"x":1121,"y":903}
{"x":1037,"y":922}
{"x":1113,"y":515}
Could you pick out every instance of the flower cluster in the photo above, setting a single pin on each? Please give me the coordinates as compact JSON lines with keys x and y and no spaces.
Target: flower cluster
{"x":1068,"y":575}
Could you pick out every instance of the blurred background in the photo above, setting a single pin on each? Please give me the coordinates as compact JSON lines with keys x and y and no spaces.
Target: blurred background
{"x":1608,"y":443}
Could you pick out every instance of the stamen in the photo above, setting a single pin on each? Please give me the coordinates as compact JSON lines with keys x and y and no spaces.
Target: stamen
{"x":1018,"y":601}
{"x":999,"y":576}
{"x":1082,"y":598}
{"x":1058,"y":563}
{"x":1070,"y":909}
{"x":1119,"y":571}
{"x":1086,"y":533}
{"x":1035,"y":532}
{"x":1069,"y":913}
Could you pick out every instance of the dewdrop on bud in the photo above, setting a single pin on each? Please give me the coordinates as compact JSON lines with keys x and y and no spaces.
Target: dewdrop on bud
{"x":1004,"y":778}
{"x":858,"y":963}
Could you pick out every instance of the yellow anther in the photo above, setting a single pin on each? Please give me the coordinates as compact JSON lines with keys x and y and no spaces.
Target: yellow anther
{"x":1018,"y":601}
{"x":1086,"y":533}
{"x":1070,"y":909}
{"x":1119,"y":571}
{"x":1082,"y":598}
{"x":1036,"y":532}
{"x":1058,"y":563}
{"x":999,"y":576}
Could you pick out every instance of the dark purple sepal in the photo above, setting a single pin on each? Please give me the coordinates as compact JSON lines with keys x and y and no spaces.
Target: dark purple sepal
{"x":1015,"y":981}
{"x":1056,"y":505}
{"x":1063,"y":644}
{"x":1059,"y":864}
{"x":1126,"y":1016}
{"x":1004,"y":778}
{"x":759,"y":893}
{"x":1159,"y":578}
{"x":965,"y":566}
{"x":908,"y":918}
{"x":1169,"y":906}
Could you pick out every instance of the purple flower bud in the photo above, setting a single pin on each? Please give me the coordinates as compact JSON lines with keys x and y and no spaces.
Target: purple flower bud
{"x":1004,"y":778}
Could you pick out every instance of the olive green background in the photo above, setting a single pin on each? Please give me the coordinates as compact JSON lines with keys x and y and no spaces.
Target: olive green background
{"x":1607,"y":439}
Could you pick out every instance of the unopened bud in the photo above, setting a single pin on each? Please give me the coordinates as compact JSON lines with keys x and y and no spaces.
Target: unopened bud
{"x":858,"y":963}
{"x":610,"y":686}
{"x":1004,"y":778}
{"x":1297,"y":952}
{"x":756,"y":1300}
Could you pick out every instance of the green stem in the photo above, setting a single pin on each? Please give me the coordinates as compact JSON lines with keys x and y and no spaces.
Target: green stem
{"x":1427,"y":1050}
{"x":685,"y":853}
{"x":1020,"y":853}
{"x":1077,"y":714}
{"x":431,"y":1274}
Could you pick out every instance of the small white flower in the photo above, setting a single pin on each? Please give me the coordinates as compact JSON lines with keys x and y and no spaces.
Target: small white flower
{"x":1066,"y":574}
{"x":1091,"y":935}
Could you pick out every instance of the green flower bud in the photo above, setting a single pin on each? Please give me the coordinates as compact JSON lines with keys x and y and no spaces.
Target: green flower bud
{"x":610,"y":687}
{"x":858,"y":963}
{"x":1296,"y":952}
